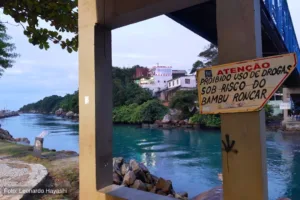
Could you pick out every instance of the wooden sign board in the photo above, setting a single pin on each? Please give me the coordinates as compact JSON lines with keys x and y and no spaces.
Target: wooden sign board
{"x":242,"y":86}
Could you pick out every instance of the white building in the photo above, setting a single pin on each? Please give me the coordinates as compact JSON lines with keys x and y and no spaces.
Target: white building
{"x":158,"y":78}
{"x":174,"y":85}
{"x":275,"y":102}
{"x":188,"y":82}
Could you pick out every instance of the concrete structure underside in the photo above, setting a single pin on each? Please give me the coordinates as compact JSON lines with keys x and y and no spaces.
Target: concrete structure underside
{"x":242,"y":29}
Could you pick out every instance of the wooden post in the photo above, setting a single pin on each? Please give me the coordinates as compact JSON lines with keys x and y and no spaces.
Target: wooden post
{"x":239,"y":38}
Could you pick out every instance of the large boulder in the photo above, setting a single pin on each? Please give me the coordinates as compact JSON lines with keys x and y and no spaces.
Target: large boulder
{"x":175,"y":114}
{"x":124,"y":169}
{"x":167,"y":118}
{"x":154,"y":178}
{"x":23,"y":140}
{"x":117,"y":179}
{"x":4,"y":135}
{"x":181,"y":122}
{"x":70,"y":114}
{"x":138,"y":170}
{"x":129,"y":178}
{"x":134,"y":165}
{"x":118,"y":161}
{"x":149,"y":187}
{"x":160,"y":192}
{"x":213,"y":194}
{"x":63,"y":114}
{"x":158,"y":122}
{"x":144,"y":168}
{"x":183,"y":194}
{"x":164,"y":185}
{"x":59,"y":112}
{"x":138,"y":184}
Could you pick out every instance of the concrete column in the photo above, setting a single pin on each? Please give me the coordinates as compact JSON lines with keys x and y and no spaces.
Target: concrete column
{"x":95,"y":100}
{"x":239,"y":38}
{"x":286,"y":97}
{"x":38,"y":147}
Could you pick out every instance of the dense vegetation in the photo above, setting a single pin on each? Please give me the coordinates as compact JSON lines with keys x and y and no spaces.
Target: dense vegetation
{"x":132,"y":104}
{"x":147,"y":112}
{"x":214,"y":121}
{"x":50,"y":104}
{"x":125,"y":91}
{"x":185,"y":102}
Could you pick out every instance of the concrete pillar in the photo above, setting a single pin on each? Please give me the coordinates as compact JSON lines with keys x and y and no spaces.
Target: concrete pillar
{"x":38,"y":147}
{"x":95,"y":100}
{"x":239,"y":38}
{"x":286,"y":98}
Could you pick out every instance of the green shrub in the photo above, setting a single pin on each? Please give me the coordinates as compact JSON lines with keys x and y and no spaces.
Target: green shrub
{"x":147,"y":112}
{"x":183,"y":100}
{"x":269,"y":111}
{"x":206,"y":120}
{"x":152,"y":110}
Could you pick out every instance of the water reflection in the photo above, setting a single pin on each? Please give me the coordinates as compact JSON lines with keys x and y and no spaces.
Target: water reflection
{"x":190,"y":158}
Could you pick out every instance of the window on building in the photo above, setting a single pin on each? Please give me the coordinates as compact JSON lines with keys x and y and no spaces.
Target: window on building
{"x":187,"y":81}
{"x":173,"y":83}
{"x":169,"y":84}
{"x":177,"y":82}
{"x":158,"y":81}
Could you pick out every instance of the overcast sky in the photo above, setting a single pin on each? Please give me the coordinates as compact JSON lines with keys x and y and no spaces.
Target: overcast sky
{"x":39,"y":73}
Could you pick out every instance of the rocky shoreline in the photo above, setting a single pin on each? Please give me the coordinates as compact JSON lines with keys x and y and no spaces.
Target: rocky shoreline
{"x":136,"y":175}
{"x":8,"y":114}
{"x":68,"y":115}
{"x":5,"y":135}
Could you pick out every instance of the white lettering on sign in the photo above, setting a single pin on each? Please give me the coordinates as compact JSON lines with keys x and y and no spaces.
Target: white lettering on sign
{"x":242,"y":86}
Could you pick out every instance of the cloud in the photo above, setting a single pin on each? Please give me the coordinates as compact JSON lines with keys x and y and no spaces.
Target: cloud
{"x":29,"y":62}
{"x":38,"y":73}
{"x":13,"y":71}
{"x":133,"y":55}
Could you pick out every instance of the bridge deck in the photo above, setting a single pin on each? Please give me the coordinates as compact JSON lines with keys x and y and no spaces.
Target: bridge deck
{"x":278,"y":36}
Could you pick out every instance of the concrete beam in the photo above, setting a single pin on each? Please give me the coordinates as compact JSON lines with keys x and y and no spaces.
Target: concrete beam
{"x":239,"y":38}
{"x":133,"y":11}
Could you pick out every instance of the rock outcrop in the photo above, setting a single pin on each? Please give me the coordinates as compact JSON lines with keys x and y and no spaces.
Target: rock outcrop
{"x":22,"y":140}
{"x":4,"y":135}
{"x":59,"y":112}
{"x":70,"y":114}
{"x":136,"y":175}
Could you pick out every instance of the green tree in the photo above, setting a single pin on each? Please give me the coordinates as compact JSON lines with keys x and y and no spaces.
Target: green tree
{"x":7,"y":50}
{"x":75,"y":102}
{"x":147,"y":112}
{"x":209,"y":56}
{"x":152,"y":110}
{"x":48,"y":103}
{"x":184,"y":101}
{"x":269,"y":110}
{"x":125,"y":92}
{"x":198,"y":64}
{"x":61,"y":15}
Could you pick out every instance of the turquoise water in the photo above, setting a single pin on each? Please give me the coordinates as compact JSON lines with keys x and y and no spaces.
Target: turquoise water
{"x":190,"y":158}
